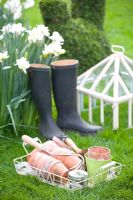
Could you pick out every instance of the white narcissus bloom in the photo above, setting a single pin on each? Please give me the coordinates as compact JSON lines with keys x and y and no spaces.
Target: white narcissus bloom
{"x":15,"y":7}
{"x":3,"y":56}
{"x":48,"y":50}
{"x":53,"y":49}
{"x":56,"y":37}
{"x":43,"y":29}
{"x":18,"y":13}
{"x":23,"y":64}
{"x":38,"y":33}
{"x":16,"y":29}
{"x":6,"y":28}
{"x":28,"y":4}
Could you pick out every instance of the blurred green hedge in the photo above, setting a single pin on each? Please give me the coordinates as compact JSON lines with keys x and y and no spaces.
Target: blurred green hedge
{"x":83,"y":40}
{"x":54,"y":12}
{"x":91,"y":10}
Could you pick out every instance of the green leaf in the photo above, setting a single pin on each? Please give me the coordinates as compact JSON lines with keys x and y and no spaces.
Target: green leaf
{"x":12,"y":119}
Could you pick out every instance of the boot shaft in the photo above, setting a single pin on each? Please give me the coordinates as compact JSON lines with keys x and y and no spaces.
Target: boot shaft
{"x":40,"y":84}
{"x":64,"y":80}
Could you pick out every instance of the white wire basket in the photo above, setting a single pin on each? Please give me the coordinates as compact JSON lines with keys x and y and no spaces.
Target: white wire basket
{"x":107,"y":172}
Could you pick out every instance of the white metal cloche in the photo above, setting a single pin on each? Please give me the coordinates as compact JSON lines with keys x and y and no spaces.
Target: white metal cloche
{"x":111,"y":80}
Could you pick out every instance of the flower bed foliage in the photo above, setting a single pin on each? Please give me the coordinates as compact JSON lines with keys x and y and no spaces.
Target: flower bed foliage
{"x":19,"y":47}
{"x":83,"y":40}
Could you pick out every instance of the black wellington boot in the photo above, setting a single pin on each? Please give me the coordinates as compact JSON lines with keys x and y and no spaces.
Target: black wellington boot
{"x":40,"y":84}
{"x":64,"y":80}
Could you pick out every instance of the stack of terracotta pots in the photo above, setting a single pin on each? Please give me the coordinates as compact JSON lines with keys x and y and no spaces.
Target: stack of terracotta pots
{"x":53,"y":158}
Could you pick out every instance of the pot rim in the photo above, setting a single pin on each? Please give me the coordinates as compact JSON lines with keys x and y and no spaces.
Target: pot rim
{"x":108,"y":150}
{"x":100,"y":160}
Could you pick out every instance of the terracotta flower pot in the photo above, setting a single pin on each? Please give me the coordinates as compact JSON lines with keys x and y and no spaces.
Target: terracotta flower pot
{"x":99,"y":153}
{"x":45,"y":162}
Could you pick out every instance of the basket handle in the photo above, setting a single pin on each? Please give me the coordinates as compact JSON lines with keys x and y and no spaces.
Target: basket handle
{"x":28,"y":140}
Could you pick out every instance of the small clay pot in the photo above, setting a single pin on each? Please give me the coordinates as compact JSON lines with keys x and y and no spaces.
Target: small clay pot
{"x":99,"y":153}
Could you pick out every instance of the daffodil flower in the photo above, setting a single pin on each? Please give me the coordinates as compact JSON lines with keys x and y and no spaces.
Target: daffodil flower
{"x":3,"y":56}
{"x":38,"y":33}
{"x":23,"y":64}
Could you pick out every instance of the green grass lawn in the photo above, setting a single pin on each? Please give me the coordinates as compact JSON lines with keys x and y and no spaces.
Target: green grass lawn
{"x":118,"y":24}
{"x":118,"y":27}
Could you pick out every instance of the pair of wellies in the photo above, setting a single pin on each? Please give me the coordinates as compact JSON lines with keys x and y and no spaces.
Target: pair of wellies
{"x":63,"y":76}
